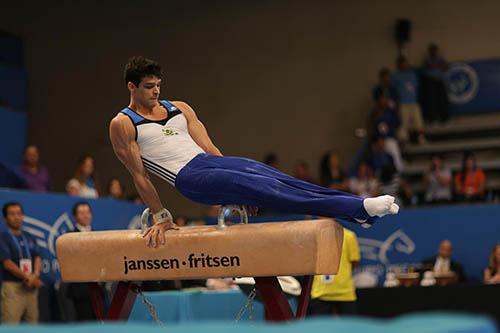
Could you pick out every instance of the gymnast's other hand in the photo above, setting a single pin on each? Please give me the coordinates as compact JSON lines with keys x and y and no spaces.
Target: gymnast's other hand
{"x":155,"y":235}
{"x":252,"y":210}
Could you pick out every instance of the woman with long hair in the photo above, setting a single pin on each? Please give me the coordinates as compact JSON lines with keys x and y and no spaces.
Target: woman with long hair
{"x":470,"y":181}
{"x":84,"y":182}
{"x":492,"y":272}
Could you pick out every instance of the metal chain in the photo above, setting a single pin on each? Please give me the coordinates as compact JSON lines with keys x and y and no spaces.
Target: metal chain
{"x":150,"y":307}
{"x":248,"y":306}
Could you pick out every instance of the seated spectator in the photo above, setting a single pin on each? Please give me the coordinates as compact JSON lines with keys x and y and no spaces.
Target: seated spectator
{"x":84,"y":183}
{"x":331,"y":173}
{"x":384,"y":122}
{"x":272,"y":159}
{"x":222,"y":284}
{"x":301,"y":171}
{"x":405,"y":82}
{"x":364,"y":184}
{"x":379,"y":157}
{"x":197,"y":223}
{"x":492,"y":272}
{"x":135,"y":198}
{"x":437,"y":182}
{"x":386,"y":89}
{"x":181,"y":221}
{"x":470,"y":181}
{"x":35,"y":176}
{"x":442,"y":263}
{"x":434,"y":96}
{"x":210,"y":215}
{"x":115,"y":189}
{"x":392,"y":184}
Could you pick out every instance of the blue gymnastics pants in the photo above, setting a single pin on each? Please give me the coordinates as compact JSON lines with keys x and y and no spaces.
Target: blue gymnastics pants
{"x":222,"y":180}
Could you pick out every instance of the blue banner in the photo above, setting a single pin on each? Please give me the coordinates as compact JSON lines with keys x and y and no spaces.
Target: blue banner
{"x":47,"y":216}
{"x":13,"y":135}
{"x":473,"y":86}
{"x":395,"y":242}
{"x":402,"y":241}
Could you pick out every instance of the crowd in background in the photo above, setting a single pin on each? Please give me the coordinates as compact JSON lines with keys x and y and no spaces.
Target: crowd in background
{"x":402,"y":99}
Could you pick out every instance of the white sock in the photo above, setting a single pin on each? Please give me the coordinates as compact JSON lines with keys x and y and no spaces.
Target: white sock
{"x":380,"y":206}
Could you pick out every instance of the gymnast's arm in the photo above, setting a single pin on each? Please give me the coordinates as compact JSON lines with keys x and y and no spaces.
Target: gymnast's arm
{"x":122,"y":135}
{"x":197,"y":130}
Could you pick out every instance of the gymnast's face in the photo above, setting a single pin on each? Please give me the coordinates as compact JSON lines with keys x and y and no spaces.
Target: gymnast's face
{"x":148,"y":92}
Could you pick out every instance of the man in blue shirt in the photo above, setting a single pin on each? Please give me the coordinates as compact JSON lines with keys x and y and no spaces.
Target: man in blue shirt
{"x":405,"y":82}
{"x":21,"y":265}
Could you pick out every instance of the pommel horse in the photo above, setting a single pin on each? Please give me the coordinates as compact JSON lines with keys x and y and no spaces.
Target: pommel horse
{"x":263,"y":251}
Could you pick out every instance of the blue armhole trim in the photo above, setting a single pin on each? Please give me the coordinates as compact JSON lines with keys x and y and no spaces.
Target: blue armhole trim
{"x":133,"y":116}
{"x":170,"y":107}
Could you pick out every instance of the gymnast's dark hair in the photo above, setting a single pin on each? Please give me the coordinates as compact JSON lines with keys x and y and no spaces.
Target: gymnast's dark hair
{"x":140,"y":67}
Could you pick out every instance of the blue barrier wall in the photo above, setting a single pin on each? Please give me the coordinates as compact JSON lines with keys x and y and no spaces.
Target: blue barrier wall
{"x":49,"y":215}
{"x":395,"y":241}
{"x":415,"y":234}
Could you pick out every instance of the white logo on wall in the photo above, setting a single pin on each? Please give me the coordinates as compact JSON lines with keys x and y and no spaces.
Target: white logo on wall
{"x":376,"y":250}
{"x":463,"y":83}
{"x":46,"y":235}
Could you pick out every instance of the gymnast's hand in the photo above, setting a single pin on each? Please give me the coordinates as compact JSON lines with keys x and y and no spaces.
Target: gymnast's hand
{"x":252,"y":210}
{"x":155,"y":235}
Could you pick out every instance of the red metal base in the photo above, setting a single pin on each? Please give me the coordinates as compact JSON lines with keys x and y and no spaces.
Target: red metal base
{"x":276,"y":304}
{"x":121,"y":304}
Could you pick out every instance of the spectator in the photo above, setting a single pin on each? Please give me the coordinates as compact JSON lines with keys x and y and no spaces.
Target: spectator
{"x":379,"y":157}
{"x":335,"y":294}
{"x":331,"y":173}
{"x":364,"y":184}
{"x":470,"y":181}
{"x":392,"y":184}
{"x":181,"y":221}
{"x":35,"y":176}
{"x":79,"y":292}
{"x":21,"y":266}
{"x":406,"y":84}
{"x":115,"y":189}
{"x":437,"y":182}
{"x":386,"y":89}
{"x":492,"y":272}
{"x":434,"y":96}
{"x":210,"y":215}
{"x":272,"y":159}
{"x":135,"y":198}
{"x":442,"y":263}
{"x":301,"y":171}
{"x":385,"y":123}
{"x":85,"y":182}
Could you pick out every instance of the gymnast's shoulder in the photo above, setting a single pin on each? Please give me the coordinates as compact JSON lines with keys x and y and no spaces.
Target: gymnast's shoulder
{"x":185,"y":108}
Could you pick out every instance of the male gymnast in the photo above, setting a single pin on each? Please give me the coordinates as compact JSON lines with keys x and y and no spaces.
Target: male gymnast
{"x":168,"y":140}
